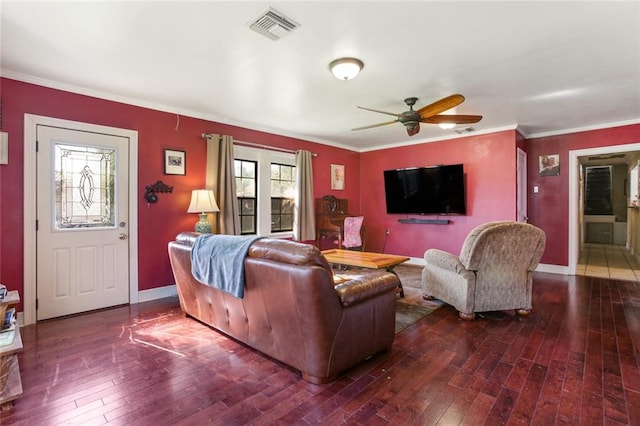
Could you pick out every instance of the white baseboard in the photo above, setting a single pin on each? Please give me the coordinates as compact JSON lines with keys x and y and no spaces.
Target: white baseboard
{"x":171,"y":291}
{"x":416,"y":261}
{"x":553,"y":269}
{"x":157,"y":293}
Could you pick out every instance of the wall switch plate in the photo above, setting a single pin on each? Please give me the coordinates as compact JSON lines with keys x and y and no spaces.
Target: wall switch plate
{"x":4,"y":148}
{"x":535,"y":189}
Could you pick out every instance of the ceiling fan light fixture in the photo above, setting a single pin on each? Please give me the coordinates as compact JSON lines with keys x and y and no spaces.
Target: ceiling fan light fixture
{"x":447,"y":126}
{"x":346,"y":68}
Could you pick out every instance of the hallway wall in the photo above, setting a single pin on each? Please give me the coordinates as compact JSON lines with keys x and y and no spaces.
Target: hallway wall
{"x":549,"y":207}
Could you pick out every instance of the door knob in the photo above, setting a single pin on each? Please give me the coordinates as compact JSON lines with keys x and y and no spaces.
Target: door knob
{"x":123,"y":236}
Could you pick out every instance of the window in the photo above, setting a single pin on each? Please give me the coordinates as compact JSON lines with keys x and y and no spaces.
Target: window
{"x":283,"y":186}
{"x":245,"y":172}
{"x":633,"y":185}
{"x":597,"y":198}
{"x":265,"y":185}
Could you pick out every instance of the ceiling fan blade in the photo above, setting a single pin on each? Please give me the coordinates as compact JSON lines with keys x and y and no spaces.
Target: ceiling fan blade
{"x":381,"y":112}
{"x":413,"y":129}
{"x":440,"y":106}
{"x":453,"y":118}
{"x":375,"y":125}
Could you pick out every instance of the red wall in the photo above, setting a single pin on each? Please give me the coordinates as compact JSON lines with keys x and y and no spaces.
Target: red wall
{"x":490,"y":174}
{"x":489,"y":162}
{"x":160,"y":222}
{"x":549,"y":208}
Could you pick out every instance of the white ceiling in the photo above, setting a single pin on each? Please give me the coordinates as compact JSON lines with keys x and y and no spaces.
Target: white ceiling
{"x":546,"y":67}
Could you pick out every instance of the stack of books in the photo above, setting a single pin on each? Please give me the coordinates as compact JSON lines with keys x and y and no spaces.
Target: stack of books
{"x":8,"y":322}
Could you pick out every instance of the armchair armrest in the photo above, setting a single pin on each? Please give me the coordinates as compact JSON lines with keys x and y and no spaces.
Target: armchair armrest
{"x":444,"y":260}
{"x":366,"y":286}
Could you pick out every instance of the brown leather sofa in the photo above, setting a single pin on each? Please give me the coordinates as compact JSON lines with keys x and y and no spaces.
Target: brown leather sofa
{"x":291,"y":309}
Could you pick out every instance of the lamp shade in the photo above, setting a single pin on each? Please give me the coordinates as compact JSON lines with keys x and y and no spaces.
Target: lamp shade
{"x":203,"y":201}
{"x":346,"y":68}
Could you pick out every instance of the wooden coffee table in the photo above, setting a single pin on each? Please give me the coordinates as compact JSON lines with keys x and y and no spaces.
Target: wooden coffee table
{"x":365,"y":259}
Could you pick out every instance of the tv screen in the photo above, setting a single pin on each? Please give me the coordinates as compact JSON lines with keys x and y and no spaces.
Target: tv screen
{"x":437,"y":190}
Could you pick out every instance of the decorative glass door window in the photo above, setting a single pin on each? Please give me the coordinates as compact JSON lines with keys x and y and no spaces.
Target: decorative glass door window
{"x":84,"y":186}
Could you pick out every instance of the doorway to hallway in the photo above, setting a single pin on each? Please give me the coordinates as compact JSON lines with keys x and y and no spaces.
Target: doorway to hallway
{"x":577,"y":246}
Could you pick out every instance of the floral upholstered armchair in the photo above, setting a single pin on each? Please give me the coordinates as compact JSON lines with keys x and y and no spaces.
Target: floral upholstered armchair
{"x":493,"y":272}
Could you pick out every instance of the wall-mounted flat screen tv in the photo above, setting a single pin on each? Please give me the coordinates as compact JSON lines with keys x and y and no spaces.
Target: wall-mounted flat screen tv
{"x":437,"y":190}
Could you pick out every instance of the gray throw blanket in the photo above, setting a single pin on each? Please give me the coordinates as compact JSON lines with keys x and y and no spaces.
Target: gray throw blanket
{"x":218,"y":261}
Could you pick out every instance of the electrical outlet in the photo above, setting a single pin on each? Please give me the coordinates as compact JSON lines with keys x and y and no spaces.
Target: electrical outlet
{"x":388,"y":231}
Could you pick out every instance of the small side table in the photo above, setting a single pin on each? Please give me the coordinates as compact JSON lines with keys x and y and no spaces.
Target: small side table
{"x":10,"y":382}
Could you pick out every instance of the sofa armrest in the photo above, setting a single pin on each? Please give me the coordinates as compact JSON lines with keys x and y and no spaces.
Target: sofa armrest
{"x":187,"y":238}
{"x":444,"y":260}
{"x":366,"y":286}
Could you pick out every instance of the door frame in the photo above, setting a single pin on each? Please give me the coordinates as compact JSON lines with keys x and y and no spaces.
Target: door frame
{"x":29,"y":211}
{"x":574,"y":195}
{"x":522,"y":178}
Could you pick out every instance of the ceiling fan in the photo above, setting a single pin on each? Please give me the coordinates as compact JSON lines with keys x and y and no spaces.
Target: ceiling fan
{"x":428,"y":114}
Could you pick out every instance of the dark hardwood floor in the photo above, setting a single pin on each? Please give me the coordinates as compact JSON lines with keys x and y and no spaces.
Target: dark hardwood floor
{"x":574,"y":360}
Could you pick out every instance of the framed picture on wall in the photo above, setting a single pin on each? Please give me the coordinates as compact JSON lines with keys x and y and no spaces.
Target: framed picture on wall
{"x":337,"y":177}
{"x":175,"y":162}
{"x":549,"y":165}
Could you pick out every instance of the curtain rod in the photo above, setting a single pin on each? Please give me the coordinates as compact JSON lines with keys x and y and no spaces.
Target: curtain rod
{"x":259,"y":145}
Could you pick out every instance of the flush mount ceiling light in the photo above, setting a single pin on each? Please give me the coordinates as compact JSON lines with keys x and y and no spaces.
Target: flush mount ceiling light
{"x":346,"y":68}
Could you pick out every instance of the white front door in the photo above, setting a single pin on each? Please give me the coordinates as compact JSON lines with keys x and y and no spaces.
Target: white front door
{"x":82,"y":221}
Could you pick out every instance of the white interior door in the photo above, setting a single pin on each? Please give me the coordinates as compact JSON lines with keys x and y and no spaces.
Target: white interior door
{"x":521,"y":177}
{"x":82,"y":221}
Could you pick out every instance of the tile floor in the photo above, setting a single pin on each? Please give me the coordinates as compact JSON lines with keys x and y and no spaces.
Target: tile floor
{"x":608,"y":261}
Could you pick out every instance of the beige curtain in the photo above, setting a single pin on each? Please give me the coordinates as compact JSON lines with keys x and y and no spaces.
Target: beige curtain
{"x":220,"y":178}
{"x":304,"y":228}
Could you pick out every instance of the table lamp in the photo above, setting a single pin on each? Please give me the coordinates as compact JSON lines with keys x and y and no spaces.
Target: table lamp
{"x":203,"y":202}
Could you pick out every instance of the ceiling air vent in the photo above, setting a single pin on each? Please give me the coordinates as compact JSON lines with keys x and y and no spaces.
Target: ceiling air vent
{"x":463,"y":130}
{"x":607,"y":157}
{"x":273,"y":24}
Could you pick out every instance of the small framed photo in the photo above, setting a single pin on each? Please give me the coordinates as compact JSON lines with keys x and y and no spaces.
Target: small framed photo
{"x":175,"y":162}
{"x":337,"y":177}
{"x":549,"y":165}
